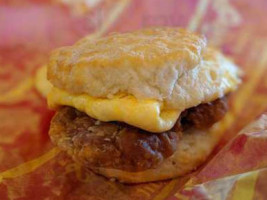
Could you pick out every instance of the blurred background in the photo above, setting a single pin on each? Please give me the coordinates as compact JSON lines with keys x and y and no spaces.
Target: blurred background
{"x":30,"y":29}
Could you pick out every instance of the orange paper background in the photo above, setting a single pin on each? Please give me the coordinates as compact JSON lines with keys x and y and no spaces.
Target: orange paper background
{"x":31,"y":168}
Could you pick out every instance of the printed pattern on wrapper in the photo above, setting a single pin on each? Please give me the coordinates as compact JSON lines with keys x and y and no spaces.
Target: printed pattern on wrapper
{"x":31,"y":168}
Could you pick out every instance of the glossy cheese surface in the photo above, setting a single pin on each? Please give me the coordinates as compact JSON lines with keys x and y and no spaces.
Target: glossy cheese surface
{"x":149,"y":115}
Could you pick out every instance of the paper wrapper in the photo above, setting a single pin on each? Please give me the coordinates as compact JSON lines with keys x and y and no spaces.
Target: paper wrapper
{"x":31,"y":168}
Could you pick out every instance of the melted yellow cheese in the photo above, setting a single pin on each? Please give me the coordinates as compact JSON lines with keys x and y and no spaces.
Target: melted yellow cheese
{"x":41,"y":82}
{"x":149,"y":115}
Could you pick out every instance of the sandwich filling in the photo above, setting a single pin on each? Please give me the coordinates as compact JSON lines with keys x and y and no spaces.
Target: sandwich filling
{"x":121,"y":146}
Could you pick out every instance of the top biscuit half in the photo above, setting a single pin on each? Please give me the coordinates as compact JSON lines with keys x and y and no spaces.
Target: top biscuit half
{"x":144,"y":63}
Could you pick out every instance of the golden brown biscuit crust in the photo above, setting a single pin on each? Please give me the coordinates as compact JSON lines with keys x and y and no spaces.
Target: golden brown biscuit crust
{"x":144,"y":63}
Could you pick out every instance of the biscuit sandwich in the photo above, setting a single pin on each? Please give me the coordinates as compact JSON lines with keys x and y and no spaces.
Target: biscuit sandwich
{"x":139,"y":106}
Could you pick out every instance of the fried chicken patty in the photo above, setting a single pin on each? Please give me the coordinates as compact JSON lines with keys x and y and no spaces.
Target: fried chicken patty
{"x":121,"y":146}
